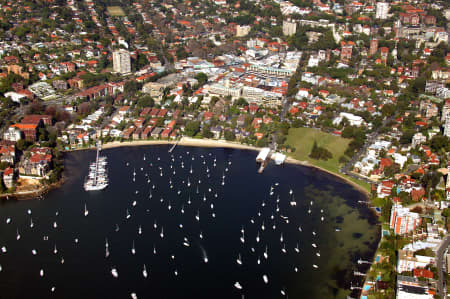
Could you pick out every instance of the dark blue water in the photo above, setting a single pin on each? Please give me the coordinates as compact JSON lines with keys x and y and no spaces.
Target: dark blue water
{"x":243,"y":201}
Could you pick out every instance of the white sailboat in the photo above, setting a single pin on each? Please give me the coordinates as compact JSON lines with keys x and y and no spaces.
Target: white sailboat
{"x":239,"y":260}
{"x":114,"y":272}
{"x":133,"y":249}
{"x":144,"y":272}
{"x":197,"y":216}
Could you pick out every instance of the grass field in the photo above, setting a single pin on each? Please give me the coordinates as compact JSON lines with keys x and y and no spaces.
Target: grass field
{"x":115,"y":11}
{"x":303,"y":139}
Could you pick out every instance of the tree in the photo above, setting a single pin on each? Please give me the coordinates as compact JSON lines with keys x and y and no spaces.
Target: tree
{"x":229,"y":135}
{"x":192,"y":128}
{"x":202,"y":78}
{"x":145,"y":101}
{"x":206,"y":132}
{"x":320,"y":153}
{"x":439,"y":142}
{"x":131,"y":88}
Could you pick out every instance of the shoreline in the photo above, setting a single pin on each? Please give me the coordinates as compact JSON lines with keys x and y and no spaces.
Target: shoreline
{"x":186,"y":141}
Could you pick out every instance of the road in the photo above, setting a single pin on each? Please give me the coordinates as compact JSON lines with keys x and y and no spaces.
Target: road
{"x":440,"y":265}
{"x":346,"y":169}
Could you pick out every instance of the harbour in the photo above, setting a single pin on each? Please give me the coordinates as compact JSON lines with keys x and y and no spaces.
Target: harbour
{"x":179,"y":217}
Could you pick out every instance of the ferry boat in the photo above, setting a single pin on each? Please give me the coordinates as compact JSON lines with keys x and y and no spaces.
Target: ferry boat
{"x":97,"y":178}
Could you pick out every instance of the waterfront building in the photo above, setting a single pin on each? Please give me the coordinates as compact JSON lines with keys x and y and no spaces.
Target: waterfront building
{"x":403,"y":220}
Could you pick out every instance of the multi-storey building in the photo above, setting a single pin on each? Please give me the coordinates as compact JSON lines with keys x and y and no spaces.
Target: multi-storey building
{"x":121,"y":61}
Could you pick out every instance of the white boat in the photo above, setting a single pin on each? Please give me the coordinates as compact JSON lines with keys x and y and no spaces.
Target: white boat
{"x":237,"y":285}
{"x":257,"y":237}
{"x":314,"y":245}
{"x":34,"y":252}
{"x":29,"y":212}
{"x":283,"y":292}
{"x":41,"y":273}
{"x":154,"y":249}
{"x":315,"y":266}
{"x":266,"y":279}
{"x":318,"y":254}
{"x":17,"y":235}
{"x":197,"y":217}
{"x":55,"y":250}
{"x":133,"y":296}
{"x":114,"y":272}
{"x":55,"y":225}
{"x":133,"y":250}
{"x":297,"y":249}
{"x":31,"y":223}
{"x":239,"y":260}
{"x":155,"y":225}
{"x":284,"y":248}
{"x":4,"y":249}
{"x":106,"y":252}
{"x":86,"y":212}
{"x":117,"y":227}
{"x":281,"y":238}
{"x":140,"y":230}
{"x":266,"y":254}
{"x":201,"y":235}
{"x":162,"y":233}
{"x":205,"y":259}
{"x":144,"y":272}
{"x":8,"y":220}
{"x":128,"y":215}
{"x":295,"y":269}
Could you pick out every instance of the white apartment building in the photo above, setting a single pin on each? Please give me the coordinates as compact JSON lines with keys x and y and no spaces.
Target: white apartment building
{"x":382,"y":10}
{"x":289,"y":27}
{"x":122,"y":61}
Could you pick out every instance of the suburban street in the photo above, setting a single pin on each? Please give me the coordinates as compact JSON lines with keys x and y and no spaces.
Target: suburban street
{"x":440,"y":265}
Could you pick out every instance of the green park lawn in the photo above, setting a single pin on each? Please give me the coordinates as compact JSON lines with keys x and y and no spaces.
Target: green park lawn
{"x":303,"y":139}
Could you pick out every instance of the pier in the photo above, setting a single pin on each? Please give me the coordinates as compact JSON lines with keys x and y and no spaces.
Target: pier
{"x":360,"y":261}
{"x":173,"y":146}
{"x":263,"y":158}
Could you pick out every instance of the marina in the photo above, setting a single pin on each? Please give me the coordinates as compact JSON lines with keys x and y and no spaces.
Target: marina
{"x":97,"y":178}
{"x":168,"y":221}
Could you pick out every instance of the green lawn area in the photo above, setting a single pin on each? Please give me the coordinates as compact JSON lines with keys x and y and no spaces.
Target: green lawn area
{"x":303,"y":139}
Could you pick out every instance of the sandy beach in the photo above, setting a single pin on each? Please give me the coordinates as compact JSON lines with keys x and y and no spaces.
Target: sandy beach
{"x":186,"y":141}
